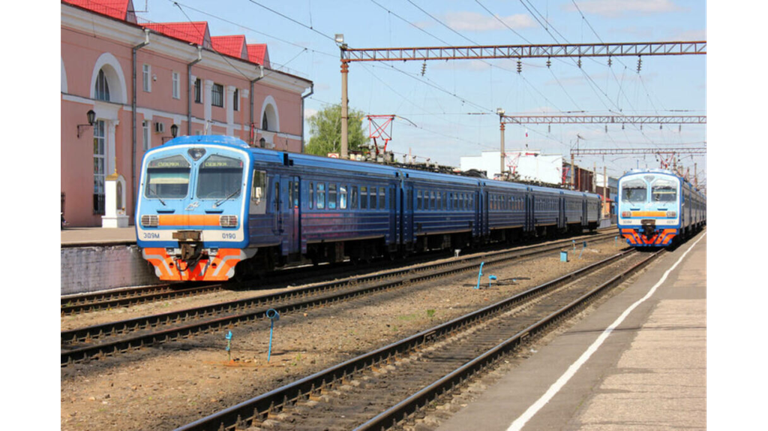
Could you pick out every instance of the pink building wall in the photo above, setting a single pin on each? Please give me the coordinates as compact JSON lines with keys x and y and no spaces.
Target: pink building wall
{"x":85,"y":39}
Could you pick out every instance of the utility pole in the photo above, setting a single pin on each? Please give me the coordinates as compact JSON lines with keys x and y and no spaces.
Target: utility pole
{"x":339,"y":38}
{"x":501,"y":154}
{"x":573,"y":169}
{"x":605,"y":186}
{"x":696,"y":175}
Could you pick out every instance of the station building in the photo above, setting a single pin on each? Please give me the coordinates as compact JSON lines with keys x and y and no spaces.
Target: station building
{"x":127,"y":86}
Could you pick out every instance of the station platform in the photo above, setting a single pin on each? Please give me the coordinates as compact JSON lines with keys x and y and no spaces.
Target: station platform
{"x":92,"y":236}
{"x":637,"y":362}
{"x":95,"y":259}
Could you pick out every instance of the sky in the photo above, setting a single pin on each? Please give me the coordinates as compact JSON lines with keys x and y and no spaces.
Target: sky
{"x":449,"y":111}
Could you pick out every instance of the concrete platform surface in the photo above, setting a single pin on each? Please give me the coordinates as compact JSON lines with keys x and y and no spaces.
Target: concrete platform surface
{"x":649,"y":372}
{"x":84,"y":236}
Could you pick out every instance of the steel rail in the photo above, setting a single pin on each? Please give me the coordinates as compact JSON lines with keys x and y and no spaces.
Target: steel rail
{"x":447,"y":384}
{"x":258,"y":408}
{"x":302,"y":298}
{"x":127,"y":298}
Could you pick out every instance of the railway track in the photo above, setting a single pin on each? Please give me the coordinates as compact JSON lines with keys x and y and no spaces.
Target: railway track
{"x":112,"y":339}
{"x":128,"y":297}
{"x":395,"y":385}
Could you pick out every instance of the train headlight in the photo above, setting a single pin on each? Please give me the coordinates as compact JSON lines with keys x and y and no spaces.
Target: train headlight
{"x":671,"y":214}
{"x":228,"y":221}
{"x":626,"y":213}
{"x":149,"y":220}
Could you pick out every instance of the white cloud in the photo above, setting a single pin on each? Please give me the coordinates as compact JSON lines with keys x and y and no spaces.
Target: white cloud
{"x":309,"y":112}
{"x":473,"y":21}
{"x":617,"y":8}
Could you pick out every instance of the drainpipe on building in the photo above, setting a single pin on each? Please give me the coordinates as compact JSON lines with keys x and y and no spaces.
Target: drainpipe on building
{"x":133,"y":120}
{"x":189,"y":88}
{"x":311,"y":90}
{"x":250,"y":96}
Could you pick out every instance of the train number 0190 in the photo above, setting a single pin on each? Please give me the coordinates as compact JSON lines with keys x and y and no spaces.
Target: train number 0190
{"x":228,"y":236}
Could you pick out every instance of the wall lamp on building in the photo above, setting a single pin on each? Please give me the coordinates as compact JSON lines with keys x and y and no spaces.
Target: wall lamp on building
{"x":91,"y":119}
{"x":262,"y":142}
{"x":174,"y":133}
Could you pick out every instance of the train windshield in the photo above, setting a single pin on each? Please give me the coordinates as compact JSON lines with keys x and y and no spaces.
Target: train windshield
{"x":664,"y":190}
{"x":219,"y":177}
{"x":167,"y":178}
{"x":634,"y":191}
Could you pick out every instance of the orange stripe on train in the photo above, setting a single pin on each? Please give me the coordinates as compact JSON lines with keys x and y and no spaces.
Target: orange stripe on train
{"x":649,"y":213}
{"x":188,"y":220}
{"x":214,"y":269}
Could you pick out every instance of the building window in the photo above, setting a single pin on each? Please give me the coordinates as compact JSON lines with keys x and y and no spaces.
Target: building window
{"x":145,"y":129}
{"x":102,"y":87}
{"x":99,"y":166}
{"x":198,"y":91}
{"x":175,"y":87}
{"x":236,"y":100}
{"x":147,"y":71}
{"x":264,"y":122}
{"x":217,"y":95}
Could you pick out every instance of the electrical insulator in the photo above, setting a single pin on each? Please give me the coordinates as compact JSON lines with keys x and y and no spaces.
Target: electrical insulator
{"x":639,"y":63}
{"x":579,"y":63}
{"x":660,"y":126}
{"x":606,"y":128}
{"x":610,"y":62}
{"x":622,"y":126}
{"x":519,"y":66}
{"x":549,"y":62}
{"x":423,"y":68}
{"x":679,"y":128}
{"x":549,"y":129}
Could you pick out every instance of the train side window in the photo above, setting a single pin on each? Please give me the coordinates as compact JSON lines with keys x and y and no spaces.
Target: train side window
{"x":295,"y":195}
{"x":409,"y":203}
{"x":258,"y":186}
{"x":372,"y":194}
{"x":320,"y":196}
{"x":332,"y":196}
{"x":363,"y":197}
{"x":353,"y":199}
{"x":343,"y":197}
{"x":439,"y":201}
{"x":418,"y":200}
{"x":382,"y":198}
{"x":311,"y":195}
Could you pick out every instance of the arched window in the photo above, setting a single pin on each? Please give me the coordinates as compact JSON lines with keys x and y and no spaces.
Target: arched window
{"x":102,"y":87}
{"x":264,"y":122}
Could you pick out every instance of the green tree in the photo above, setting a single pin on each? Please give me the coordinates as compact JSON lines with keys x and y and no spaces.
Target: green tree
{"x":325,"y":131}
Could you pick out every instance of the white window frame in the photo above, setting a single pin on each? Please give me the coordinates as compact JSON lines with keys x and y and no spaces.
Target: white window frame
{"x":221,"y":98}
{"x":100,"y":160}
{"x":147,"y":77}
{"x":176,"y":93}
{"x":146,"y":134}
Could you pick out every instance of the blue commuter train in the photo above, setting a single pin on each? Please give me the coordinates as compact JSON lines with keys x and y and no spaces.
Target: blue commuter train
{"x":658,"y":207}
{"x":211,"y":206}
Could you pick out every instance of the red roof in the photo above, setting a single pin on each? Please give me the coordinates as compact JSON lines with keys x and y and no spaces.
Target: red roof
{"x":257,"y":53}
{"x":192,"y":32}
{"x":230,"y":45}
{"x":114,"y":8}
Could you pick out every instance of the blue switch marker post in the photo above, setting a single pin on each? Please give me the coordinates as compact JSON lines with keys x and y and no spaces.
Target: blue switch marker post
{"x":229,"y":345}
{"x":490,"y":280}
{"x":273,"y":315}
{"x":582,"y":249}
{"x":479,"y":275}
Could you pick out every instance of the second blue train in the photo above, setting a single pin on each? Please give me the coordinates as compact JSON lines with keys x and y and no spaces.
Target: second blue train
{"x":211,"y":207}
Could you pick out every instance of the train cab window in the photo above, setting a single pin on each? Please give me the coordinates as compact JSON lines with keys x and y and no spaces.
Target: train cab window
{"x":289,"y":204}
{"x":353,"y":199}
{"x":332,"y":194}
{"x":219,"y":177}
{"x":320,"y":203}
{"x":634,"y":191}
{"x":258,"y":193}
{"x":343,"y":197}
{"x":382,"y":198}
{"x":168,"y":178}
{"x":363,"y":197}
{"x":295,"y":199}
{"x":664,"y":190}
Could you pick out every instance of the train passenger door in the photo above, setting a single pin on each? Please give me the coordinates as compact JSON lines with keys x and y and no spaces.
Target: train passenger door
{"x":393,"y":200}
{"x":292,"y":218}
{"x":275,"y":207}
{"x":530,"y":201}
{"x":407,"y":215}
